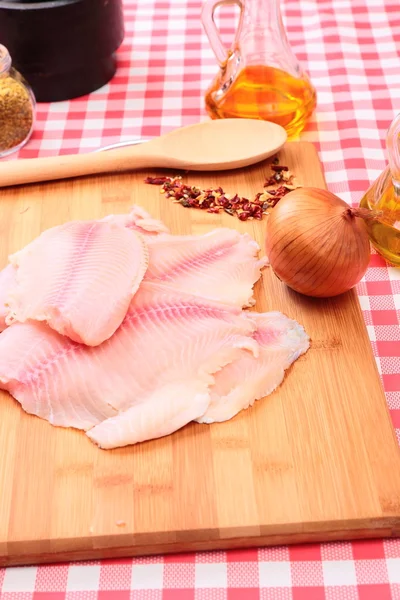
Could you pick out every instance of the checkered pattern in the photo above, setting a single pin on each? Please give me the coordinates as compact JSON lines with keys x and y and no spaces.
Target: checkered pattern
{"x":358,"y":571}
{"x":351,"y":49}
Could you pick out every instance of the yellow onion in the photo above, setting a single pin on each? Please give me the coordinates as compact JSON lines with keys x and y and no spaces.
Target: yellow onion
{"x":316,"y":243}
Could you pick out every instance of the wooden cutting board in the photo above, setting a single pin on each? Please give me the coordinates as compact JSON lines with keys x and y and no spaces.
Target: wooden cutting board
{"x":317,"y":460}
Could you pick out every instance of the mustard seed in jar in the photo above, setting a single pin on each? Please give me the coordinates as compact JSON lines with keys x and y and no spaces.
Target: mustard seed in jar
{"x":17,"y":107}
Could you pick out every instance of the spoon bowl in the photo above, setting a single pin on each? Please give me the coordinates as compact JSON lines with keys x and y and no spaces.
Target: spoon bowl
{"x":222,"y":144}
{"x":206,"y":146}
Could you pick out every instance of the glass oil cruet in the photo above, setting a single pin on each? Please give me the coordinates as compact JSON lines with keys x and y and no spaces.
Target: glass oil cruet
{"x":384,"y":196}
{"x":259,"y":76}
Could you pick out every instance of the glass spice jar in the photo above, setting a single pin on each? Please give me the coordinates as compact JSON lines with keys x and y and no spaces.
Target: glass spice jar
{"x":17,"y":107}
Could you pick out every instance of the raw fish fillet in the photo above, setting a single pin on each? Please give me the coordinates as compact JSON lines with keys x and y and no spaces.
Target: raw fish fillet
{"x":164,"y":411}
{"x":7,"y":283}
{"x":52,"y":376}
{"x":139,"y":220}
{"x":239,"y":384}
{"x":149,"y":379}
{"x":222,"y":265}
{"x":80,"y":278}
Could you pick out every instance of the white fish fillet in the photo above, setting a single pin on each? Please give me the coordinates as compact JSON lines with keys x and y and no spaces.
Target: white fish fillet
{"x":152,"y":375}
{"x":222,"y":265}
{"x":7,"y":283}
{"x":80,"y":278}
{"x":178,"y":348}
{"x":164,"y":411}
{"x":239,"y":384}
{"x":52,"y":376}
{"x":139,"y":220}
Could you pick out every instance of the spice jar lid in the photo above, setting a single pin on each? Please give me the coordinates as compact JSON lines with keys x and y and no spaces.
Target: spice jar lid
{"x":5,"y":59}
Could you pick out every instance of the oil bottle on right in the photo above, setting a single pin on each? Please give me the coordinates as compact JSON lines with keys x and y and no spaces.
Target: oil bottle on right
{"x":384,"y":196}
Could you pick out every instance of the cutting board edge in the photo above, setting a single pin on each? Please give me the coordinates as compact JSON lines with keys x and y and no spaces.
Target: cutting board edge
{"x":313,"y":148}
{"x":356,"y":298}
{"x":387,"y":527}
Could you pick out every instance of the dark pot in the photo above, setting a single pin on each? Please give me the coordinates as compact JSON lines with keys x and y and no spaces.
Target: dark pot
{"x":64,"y":48}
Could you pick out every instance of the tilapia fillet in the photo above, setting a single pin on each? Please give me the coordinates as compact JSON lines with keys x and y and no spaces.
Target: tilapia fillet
{"x":281,"y":341}
{"x":165,"y":341}
{"x":222,"y":265}
{"x":79,"y":278}
{"x":150,"y":378}
{"x":7,"y":283}
{"x":139,"y":220}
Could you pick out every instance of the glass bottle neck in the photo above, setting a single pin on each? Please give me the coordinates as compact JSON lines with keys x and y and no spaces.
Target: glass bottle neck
{"x":262,"y":13}
{"x":263,"y":36}
{"x":5,"y":60}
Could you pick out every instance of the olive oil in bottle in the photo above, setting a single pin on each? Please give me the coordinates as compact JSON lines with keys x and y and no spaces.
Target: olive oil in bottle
{"x":384,"y":231}
{"x":384,"y":197}
{"x":259,"y":76}
{"x":264,"y":92}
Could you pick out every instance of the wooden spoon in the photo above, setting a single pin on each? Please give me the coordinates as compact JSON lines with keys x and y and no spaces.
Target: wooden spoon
{"x":206,"y":146}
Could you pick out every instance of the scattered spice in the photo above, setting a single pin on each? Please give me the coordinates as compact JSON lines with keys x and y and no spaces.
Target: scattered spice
{"x":280,"y":183}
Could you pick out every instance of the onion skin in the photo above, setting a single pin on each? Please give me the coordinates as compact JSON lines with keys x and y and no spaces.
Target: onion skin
{"x":316,"y":243}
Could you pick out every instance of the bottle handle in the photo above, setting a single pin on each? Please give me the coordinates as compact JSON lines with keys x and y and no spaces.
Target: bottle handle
{"x":208,"y":20}
{"x":393,"y":150}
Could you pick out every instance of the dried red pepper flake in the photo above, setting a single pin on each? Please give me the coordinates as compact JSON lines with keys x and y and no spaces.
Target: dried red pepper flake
{"x":280,"y":183}
{"x":279,"y":168}
{"x":157,"y":180}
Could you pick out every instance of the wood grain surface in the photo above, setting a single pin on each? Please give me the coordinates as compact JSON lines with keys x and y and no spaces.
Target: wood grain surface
{"x":316,"y":460}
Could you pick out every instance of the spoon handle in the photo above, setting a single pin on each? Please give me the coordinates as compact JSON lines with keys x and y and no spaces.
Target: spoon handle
{"x":32,"y":170}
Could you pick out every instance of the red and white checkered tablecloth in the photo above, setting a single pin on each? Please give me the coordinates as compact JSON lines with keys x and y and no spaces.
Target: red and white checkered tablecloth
{"x":351,"y":48}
